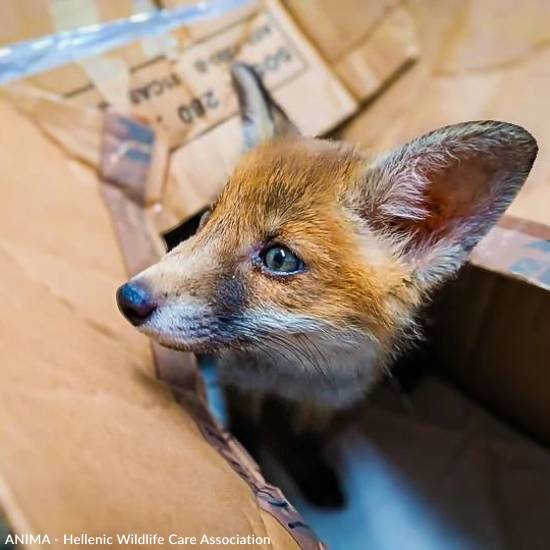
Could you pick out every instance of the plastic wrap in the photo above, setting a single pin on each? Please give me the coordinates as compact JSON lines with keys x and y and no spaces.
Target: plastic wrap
{"x":30,"y":57}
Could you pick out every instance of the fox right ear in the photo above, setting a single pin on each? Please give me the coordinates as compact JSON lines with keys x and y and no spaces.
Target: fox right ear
{"x":438,"y":195}
{"x":261,"y":117}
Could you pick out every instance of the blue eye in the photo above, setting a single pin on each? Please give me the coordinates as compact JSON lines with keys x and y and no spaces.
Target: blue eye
{"x":279,"y":259}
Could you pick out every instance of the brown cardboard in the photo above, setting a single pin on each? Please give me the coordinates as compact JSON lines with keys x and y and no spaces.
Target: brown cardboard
{"x":192,"y":93}
{"x":92,"y":442}
{"x":366,"y":43}
{"x":490,"y":335}
{"x":386,"y":51}
{"x":34,"y":18}
{"x":337,"y":28}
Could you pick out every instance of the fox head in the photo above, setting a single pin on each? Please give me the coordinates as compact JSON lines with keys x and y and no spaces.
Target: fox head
{"x":316,"y":257}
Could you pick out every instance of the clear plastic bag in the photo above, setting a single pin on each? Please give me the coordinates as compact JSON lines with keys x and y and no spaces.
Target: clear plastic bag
{"x":30,"y":57}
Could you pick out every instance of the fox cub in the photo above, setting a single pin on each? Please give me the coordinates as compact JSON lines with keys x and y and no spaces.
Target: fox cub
{"x":306,"y":275}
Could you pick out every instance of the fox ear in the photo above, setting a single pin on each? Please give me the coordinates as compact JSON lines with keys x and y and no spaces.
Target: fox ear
{"x":438,"y":195}
{"x":261,"y":117}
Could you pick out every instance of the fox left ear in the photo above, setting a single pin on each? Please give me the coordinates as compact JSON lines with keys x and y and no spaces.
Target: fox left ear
{"x":438,"y":195}
{"x":261,"y":117}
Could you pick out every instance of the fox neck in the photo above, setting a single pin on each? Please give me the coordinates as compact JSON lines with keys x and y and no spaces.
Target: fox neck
{"x":335,"y":377}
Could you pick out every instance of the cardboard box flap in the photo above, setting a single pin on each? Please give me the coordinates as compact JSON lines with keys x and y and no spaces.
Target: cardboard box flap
{"x":366,"y":43}
{"x":77,"y":130}
{"x":184,"y":89}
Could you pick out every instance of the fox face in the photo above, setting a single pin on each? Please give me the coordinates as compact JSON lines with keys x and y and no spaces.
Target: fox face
{"x":306,"y":275}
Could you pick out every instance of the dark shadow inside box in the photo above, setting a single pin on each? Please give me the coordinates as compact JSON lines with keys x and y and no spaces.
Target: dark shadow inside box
{"x":183,"y":231}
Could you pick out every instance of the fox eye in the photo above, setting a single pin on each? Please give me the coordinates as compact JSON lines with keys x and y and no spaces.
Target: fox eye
{"x":279,"y":259}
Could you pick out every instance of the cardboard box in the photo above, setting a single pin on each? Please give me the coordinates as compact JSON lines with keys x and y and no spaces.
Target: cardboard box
{"x":490,"y":334}
{"x":365,"y":43}
{"x":72,"y":361}
{"x":489,"y":326}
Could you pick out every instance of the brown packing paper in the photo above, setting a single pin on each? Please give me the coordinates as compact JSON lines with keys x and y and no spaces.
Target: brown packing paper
{"x":100,"y":474}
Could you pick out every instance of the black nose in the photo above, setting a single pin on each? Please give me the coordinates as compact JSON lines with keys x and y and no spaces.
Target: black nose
{"x":135,"y":301}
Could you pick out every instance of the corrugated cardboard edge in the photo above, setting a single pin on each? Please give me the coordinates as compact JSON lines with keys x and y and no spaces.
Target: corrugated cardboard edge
{"x":517,"y":248}
{"x":141,"y":246}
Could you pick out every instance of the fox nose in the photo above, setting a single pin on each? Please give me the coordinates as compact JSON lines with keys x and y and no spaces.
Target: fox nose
{"x":135,"y":301}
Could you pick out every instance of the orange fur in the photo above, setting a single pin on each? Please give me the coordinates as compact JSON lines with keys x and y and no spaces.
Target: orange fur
{"x":292,"y":189}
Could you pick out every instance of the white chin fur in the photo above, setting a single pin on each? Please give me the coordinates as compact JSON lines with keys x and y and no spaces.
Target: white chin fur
{"x":340,"y":380}
{"x":179,"y":327}
{"x":326,"y":366}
